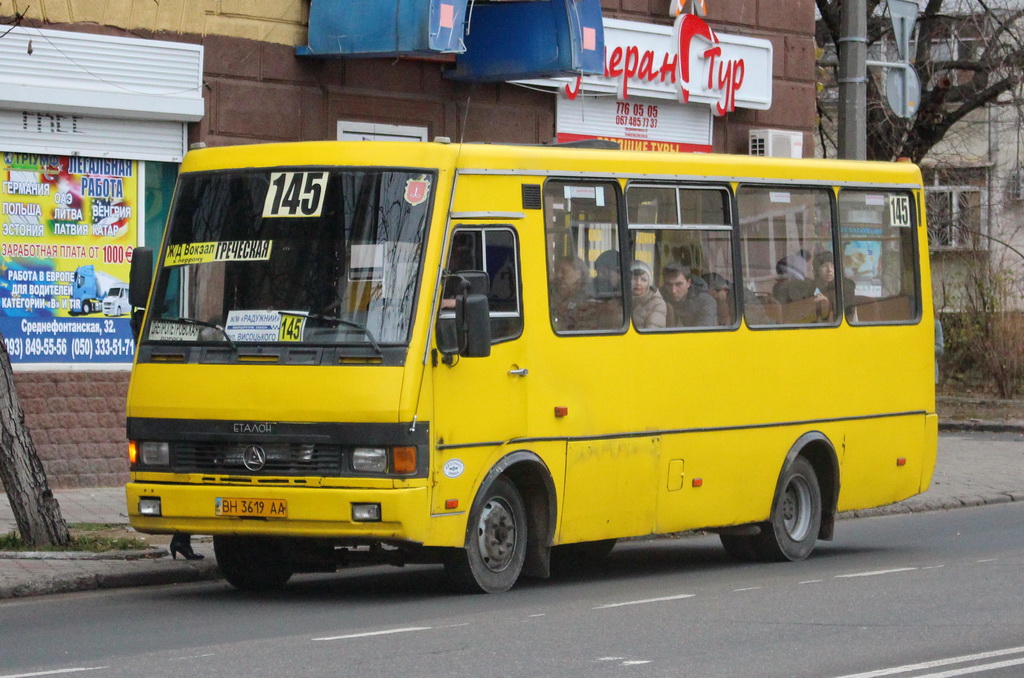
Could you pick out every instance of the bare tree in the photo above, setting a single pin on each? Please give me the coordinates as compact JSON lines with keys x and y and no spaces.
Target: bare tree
{"x":36,"y":510}
{"x":969,"y":53}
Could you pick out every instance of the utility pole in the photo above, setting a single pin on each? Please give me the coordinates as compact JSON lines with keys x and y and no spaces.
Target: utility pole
{"x":853,"y":83}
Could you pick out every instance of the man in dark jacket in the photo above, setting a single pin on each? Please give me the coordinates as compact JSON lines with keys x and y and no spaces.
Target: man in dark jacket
{"x":689,"y":304}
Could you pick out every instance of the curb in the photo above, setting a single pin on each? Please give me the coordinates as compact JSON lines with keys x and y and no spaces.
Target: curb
{"x":95,"y":581}
{"x":970,"y":426}
{"x":146,"y":554}
{"x":924,"y":505}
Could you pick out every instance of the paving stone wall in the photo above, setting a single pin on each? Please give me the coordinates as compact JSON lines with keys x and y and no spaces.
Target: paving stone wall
{"x":77,"y":422}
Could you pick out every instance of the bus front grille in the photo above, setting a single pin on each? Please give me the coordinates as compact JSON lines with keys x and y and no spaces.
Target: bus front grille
{"x":279,"y":459}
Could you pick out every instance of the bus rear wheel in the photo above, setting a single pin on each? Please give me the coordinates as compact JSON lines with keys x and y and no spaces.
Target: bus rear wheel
{"x":792,"y":530}
{"x":252,"y":563}
{"x":496,"y":544}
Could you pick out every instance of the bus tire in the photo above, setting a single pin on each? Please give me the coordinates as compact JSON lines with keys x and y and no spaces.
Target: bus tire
{"x":251,"y":563}
{"x":496,"y":543}
{"x":792,"y":529}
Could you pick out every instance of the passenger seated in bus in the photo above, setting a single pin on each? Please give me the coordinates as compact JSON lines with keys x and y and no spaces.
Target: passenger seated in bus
{"x":825,"y":281}
{"x":569,"y":291}
{"x":603,"y":310}
{"x":801,"y":300}
{"x":689,"y":304}
{"x":609,"y":276}
{"x":791,"y":282}
{"x":794,"y":266}
{"x":720,"y":290}
{"x":649,"y":308}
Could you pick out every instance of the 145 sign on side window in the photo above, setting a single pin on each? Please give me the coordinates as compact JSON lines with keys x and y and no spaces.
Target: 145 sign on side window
{"x":295,"y":194}
{"x":899,"y":211}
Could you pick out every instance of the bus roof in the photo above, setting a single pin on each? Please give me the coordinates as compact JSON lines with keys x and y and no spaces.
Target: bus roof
{"x":550,"y":159}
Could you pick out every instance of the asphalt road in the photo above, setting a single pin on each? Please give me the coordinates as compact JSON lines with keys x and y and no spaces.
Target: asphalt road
{"x":890,"y":592}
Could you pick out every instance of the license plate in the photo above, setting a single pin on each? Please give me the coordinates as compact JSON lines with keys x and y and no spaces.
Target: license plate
{"x":252,"y":508}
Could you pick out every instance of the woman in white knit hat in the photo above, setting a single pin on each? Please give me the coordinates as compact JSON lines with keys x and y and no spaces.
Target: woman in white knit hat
{"x":649,"y":309}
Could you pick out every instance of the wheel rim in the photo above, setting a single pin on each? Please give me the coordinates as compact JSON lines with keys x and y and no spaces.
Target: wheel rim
{"x":496,"y":534}
{"x":796,"y":508}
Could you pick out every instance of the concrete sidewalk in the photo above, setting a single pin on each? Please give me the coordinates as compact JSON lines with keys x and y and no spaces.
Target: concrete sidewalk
{"x":980,"y":465}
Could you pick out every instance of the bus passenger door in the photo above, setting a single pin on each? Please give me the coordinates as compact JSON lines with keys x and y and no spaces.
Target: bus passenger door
{"x":482,"y":401}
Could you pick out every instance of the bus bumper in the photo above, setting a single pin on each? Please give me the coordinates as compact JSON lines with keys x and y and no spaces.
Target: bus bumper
{"x":309,"y":512}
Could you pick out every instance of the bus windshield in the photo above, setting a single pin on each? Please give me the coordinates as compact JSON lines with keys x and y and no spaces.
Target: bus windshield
{"x":296,"y":256}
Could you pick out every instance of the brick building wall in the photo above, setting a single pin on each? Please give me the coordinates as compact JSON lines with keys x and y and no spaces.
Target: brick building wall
{"x":258,"y":90}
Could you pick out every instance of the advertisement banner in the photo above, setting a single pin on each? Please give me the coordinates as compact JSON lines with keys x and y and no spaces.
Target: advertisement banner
{"x":689,"y":63}
{"x":68,"y":226}
{"x":637,"y":124}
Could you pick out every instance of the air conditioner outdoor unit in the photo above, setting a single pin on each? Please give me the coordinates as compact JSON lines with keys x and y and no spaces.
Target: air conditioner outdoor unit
{"x":776,"y":143}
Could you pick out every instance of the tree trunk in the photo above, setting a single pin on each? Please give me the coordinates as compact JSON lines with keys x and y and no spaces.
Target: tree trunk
{"x":35,"y":508}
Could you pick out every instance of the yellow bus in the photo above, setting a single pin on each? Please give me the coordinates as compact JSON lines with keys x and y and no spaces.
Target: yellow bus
{"x":492,"y":356}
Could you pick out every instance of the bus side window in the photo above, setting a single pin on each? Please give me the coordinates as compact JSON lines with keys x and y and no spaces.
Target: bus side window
{"x":876,"y":231}
{"x":494,"y":251}
{"x":683,"y":234}
{"x":786,"y":237}
{"x":585,"y":284}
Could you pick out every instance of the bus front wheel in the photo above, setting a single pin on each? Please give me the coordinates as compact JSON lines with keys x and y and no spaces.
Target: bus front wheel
{"x":792,"y":530}
{"x":251,"y":563}
{"x":496,"y":544}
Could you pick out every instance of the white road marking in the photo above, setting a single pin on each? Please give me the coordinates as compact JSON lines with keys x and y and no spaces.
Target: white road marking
{"x":645,"y":601}
{"x":935,"y":664}
{"x":191,"y":656}
{"x":749,"y":588}
{"x":55,"y":672}
{"x":368,"y":634}
{"x":987,"y":560}
{"x":975,"y":669}
{"x":624,"y":661}
{"x":876,"y":572}
{"x":812,"y":581}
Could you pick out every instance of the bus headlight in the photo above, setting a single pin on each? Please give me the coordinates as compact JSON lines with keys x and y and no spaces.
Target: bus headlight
{"x":370,"y":459}
{"x":154,"y":454}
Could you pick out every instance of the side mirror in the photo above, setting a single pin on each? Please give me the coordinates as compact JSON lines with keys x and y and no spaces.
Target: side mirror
{"x":467,"y":332}
{"x":473,"y":325}
{"x":140,"y":280}
{"x":141,"y":277}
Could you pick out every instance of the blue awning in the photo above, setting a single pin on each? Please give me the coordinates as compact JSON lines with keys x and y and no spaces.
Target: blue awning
{"x":383,"y":28}
{"x":493,"y":40}
{"x":523,"y":40}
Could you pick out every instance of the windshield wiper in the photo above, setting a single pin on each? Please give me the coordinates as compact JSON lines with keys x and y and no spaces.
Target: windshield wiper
{"x":341,"y":321}
{"x":203,"y":323}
